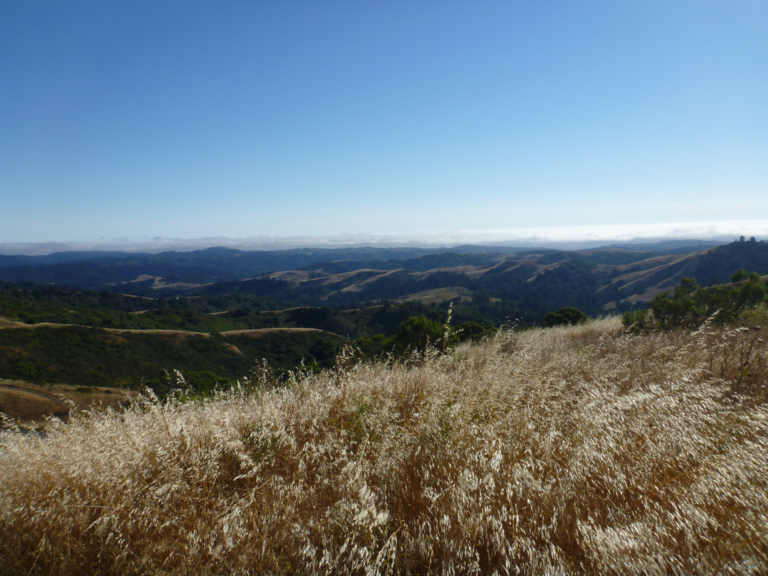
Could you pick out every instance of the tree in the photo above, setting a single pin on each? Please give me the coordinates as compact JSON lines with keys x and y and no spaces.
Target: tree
{"x":481,"y":298}
{"x":680,"y":309}
{"x":26,"y":369}
{"x":419,"y":331}
{"x":689,"y":306}
{"x":739,"y":275}
{"x":474,"y":331}
{"x":374,"y":346}
{"x":567,"y":316}
{"x":242,"y":312}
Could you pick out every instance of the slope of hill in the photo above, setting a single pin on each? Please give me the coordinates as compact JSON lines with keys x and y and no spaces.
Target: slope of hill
{"x":85,"y":356}
{"x":560,"y":451}
{"x":644,"y":284}
{"x":531,"y":283}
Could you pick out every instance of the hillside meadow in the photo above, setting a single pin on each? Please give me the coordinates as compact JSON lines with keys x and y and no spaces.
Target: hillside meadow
{"x":567,"y":450}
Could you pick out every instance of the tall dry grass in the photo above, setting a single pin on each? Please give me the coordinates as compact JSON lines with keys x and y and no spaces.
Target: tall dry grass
{"x":568,"y":450}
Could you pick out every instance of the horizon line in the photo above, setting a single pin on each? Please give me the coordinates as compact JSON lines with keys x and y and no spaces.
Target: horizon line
{"x":562,"y":237}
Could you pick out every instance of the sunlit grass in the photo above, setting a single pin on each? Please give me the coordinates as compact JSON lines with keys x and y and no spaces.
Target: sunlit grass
{"x":565,"y":450}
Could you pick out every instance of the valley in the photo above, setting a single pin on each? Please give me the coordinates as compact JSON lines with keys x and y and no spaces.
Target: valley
{"x":76,"y":330}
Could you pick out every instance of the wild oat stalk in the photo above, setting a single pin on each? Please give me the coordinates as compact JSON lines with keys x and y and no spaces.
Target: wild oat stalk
{"x":567,"y":450}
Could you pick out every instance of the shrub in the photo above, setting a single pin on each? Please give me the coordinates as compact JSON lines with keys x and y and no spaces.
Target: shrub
{"x":567,"y":316}
{"x":26,"y":369}
{"x":416,"y":333}
{"x":689,"y":306}
{"x":474,"y":331}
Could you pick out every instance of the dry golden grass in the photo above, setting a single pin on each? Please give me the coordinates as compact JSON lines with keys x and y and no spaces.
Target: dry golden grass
{"x":30,"y":404}
{"x":26,"y":405}
{"x":455,"y":294}
{"x":568,"y":450}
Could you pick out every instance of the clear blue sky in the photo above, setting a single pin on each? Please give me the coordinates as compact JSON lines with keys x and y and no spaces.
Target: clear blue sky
{"x":193,"y":119}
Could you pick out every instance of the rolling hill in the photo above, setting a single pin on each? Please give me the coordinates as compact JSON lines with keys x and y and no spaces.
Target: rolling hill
{"x":129,"y":334}
{"x":594,"y":280}
{"x":528,"y":282}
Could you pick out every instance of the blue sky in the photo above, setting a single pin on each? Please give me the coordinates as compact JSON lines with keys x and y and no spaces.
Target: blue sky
{"x":133,"y":119}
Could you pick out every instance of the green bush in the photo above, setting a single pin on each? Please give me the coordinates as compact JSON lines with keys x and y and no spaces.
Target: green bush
{"x":635,"y":318}
{"x":26,"y":369}
{"x":474,"y":331}
{"x":205,"y":381}
{"x":374,"y":346}
{"x":417,"y":333}
{"x":567,"y":316}
{"x":689,"y":305}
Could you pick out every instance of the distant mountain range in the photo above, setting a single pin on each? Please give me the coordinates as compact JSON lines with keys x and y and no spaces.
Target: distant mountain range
{"x":532,"y":281}
{"x":96,"y":269}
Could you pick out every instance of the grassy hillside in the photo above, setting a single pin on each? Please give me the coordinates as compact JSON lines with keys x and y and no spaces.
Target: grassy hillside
{"x":567,"y":450}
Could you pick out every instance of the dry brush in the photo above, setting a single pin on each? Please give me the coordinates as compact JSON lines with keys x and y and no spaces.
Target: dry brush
{"x":567,"y":450}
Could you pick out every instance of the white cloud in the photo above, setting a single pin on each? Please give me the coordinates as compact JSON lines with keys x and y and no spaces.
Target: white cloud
{"x":557,"y":237}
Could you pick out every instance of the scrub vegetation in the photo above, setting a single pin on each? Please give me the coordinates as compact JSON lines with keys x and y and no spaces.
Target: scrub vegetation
{"x":573,"y":449}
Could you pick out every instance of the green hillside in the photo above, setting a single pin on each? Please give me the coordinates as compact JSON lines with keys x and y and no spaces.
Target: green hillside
{"x":95,"y":357}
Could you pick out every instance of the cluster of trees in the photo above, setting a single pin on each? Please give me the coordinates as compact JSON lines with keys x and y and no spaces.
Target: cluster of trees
{"x":168,"y":318}
{"x":689,"y":305}
{"x":75,"y":298}
{"x":717,"y":266}
{"x":417,"y":333}
{"x":92,"y":357}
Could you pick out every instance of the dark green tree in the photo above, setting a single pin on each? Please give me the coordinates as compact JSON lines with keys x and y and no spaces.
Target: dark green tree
{"x":419,"y":331}
{"x":739,"y":275}
{"x":567,"y":316}
{"x":481,"y":298}
{"x":474,"y":331}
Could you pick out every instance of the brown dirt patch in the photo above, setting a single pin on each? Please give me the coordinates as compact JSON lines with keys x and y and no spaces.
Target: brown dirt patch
{"x":27,"y":403}
{"x":261,"y":331}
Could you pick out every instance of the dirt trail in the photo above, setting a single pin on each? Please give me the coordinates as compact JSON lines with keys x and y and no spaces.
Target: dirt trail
{"x":8,"y":324}
{"x":5,"y":323}
{"x":260,"y":331}
{"x":40,"y":393}
{"x":14,"y":324}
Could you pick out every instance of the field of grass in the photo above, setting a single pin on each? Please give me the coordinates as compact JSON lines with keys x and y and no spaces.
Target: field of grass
{"x":559,"y":451}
